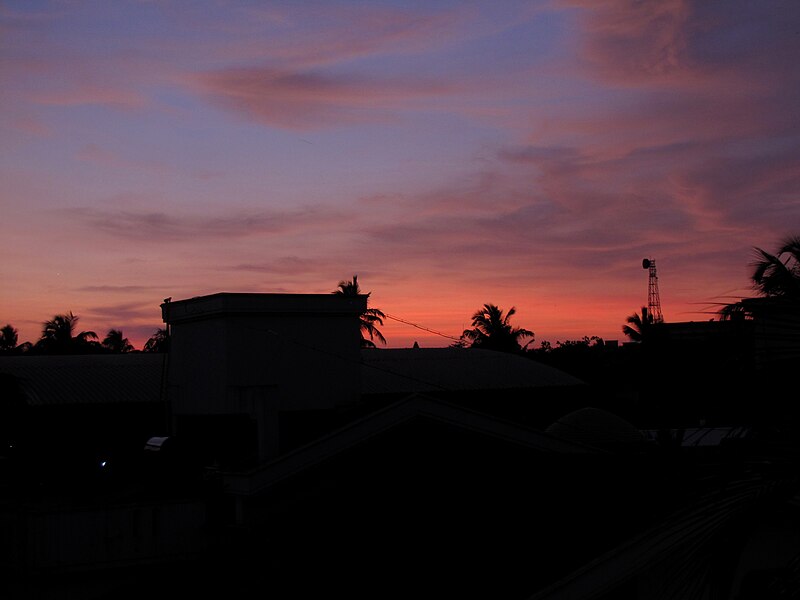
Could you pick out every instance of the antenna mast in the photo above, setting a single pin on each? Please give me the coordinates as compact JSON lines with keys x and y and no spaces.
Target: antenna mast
{"x":653,"y":301}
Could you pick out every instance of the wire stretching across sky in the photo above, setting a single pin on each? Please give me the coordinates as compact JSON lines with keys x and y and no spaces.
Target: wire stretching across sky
{"x":433,"y":331}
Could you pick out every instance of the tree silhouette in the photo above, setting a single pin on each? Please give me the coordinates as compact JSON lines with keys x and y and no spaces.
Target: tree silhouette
{"x":8,"y":339}
{"x":492,"y":330}
{"x":116,"y":343}
{"x":775,"y":276}
{"x":638,"y":326}
{"x":158,"y":342}
{"x":370,"y":318}
{"x":779,"y":275}
{"x":58,"y":337}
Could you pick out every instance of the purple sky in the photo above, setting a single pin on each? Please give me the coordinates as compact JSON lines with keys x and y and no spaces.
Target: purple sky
{"x":526,"y":154}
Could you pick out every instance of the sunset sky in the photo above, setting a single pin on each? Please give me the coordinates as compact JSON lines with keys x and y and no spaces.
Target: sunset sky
{"x":450,"y":154}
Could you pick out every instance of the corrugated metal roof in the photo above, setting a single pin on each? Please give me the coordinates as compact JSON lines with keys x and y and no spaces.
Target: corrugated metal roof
{"x":596,"y":427}
{"x":87,"y":379}
{"x":96,"y":379}
{"x":676,"y":545}
{"x":409,"y":370}
{"x":384,"y":419}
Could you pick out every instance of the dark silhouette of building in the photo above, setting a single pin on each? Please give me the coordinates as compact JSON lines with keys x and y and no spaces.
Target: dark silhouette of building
{"x":267,"y":453}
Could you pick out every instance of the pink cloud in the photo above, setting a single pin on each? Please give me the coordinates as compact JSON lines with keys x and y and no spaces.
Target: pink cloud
{"x":93,"y":94}
{"x":301,"y":82}
{"x":163,"y":227}
{"x":95,"y":154}
{"x":351,"y":33}
{"x":121,"y":312}
{"x":695,"y":140}
{"x":109,"y":159}
{"x":309,"y":35}
{"x":32,"y":126}
{"x":288,"y":266}
{"x":137,"y":320}
{"x":690,"y":44}
{"x":632,"y":40}
{"x":302,"y":101}
{"x":117,"y":289}
{"x":18,"y":20}
{"x":759,"y":188}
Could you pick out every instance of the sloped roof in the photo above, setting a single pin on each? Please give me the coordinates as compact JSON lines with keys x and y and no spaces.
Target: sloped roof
{"x":673,"y":544}
{"x":375,"y":423}
{"x":596,"y":427}
{"x":87,"y":378}
{"x":695,"y":437}
{"x":137,"y":377}
{"x":426,"y":370}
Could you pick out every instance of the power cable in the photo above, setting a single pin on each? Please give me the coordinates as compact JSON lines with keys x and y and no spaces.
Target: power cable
{"x":444,"y":335}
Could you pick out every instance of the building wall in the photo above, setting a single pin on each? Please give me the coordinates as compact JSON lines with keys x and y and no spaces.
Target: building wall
{"x":261,"y":355}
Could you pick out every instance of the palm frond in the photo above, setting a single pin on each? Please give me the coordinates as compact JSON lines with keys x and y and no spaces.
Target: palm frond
{"x":370,"y":318}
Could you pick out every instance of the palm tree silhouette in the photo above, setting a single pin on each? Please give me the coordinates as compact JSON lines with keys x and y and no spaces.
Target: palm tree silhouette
{"x":158,"y":342}
{"x":8,"y":338}
{"x":370,"y":318}
{"x":638,"y":326}
{"x":775,"y":276}
{"x":58,"y":336}
{"x":492,"y":330}
{"x":779,"y":275}
{"x":116,"y":343}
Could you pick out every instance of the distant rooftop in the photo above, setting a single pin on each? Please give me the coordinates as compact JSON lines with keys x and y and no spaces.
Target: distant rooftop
{"x":410,"y":370}
{"x":137,"y":377}
{"x":87,"y":378}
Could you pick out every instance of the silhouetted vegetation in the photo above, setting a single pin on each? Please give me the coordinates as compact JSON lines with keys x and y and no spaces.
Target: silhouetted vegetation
{"x":638,"y":325}
{"x":59,"y":337}
{"x":775,"y":277}
{"x":611,"y":371}
{"x":575,"y":357}
{"x":370,"y":318}
{"x":116,"y":343}
{"x":8,"y":338}
{"x":158,"y":342}
{"x":492,"y":330}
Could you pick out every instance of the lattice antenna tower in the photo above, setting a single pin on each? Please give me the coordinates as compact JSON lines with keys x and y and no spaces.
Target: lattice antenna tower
{"x":653,"y":301}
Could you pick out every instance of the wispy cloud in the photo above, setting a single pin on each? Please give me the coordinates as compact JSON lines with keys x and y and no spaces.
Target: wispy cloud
{"x":309,"y":68}
{"x":111,"y":159}
{"x":687,"y":43}
{"x":287,"y":265}
{"x":93,"y":94}
{"x":137,"y":320}
{"x":173,"y":227}
{"x":31,"y":126}
{"x":117,"y":289}
{"x":104,"y":157}
{"x":311,"y":100}
{"x":308,"y":35}
{"x":696,"y":135}
{"x":630,"y":41}
{"x":120,"y":313}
